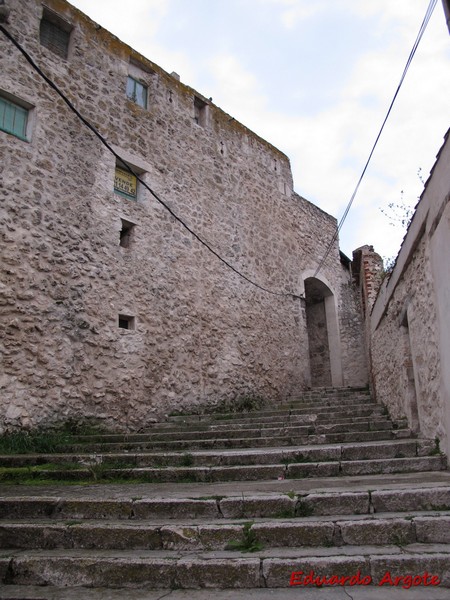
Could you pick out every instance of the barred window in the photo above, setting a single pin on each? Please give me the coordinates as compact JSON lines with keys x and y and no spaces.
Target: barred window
{"x":55,"y":33}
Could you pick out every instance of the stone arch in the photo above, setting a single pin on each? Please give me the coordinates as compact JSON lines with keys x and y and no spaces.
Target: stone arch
{"x":323,"y":332}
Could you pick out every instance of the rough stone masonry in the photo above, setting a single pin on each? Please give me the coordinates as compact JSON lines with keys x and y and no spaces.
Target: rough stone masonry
{"x":110,"y":307}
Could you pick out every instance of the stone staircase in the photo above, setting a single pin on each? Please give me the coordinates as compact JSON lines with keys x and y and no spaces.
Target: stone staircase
{"x":325,"y":484}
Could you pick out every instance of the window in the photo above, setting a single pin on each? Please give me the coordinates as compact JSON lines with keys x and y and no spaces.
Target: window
{"x":137,"y":92}
{"x":13,"y":118}
{"x":200,"y":111}
{"x":55,"y":33}
{"x":126,"y":322}
{"x":125,"y":233}
{"x":125,"y":183}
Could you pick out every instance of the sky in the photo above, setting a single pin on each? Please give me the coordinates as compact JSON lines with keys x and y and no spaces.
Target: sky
{"x":314,"y":78}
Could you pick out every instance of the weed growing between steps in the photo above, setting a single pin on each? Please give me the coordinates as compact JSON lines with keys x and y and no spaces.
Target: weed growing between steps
{"x":437,"y":447}
{"x":291,"y":494}
{"x":249,"y":542}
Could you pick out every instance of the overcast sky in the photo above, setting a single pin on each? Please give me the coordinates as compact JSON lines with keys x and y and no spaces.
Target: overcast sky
{"x":314,"y":78}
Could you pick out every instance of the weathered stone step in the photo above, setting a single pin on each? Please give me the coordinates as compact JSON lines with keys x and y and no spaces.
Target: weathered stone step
{"x":376,"y":530}
{"x":210,"y":433}
{"x":327,"y":400}
{"x":22,"y":592}
{"x":370,"y":450}
{"x":99,"y":472}
{"x":331,"y":404}
{"x":262,"y":440}
{"x":241,"y":423}
{"x":248,"y":428}
{"x":272,"y":568}
{"x":239,"y":506}
{"x":281,"y":410}
{"x":323,"y":392}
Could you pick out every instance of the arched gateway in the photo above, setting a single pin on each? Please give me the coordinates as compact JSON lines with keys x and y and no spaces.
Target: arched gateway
{"x":323,"y":334}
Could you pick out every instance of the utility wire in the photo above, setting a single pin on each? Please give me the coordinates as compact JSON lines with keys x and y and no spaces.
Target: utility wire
{"x":425,"y":21}
{"x":130,"y":170}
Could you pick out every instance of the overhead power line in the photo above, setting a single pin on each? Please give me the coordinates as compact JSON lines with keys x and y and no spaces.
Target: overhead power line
{"x":131,"y":170}
{"x":425,"y":22}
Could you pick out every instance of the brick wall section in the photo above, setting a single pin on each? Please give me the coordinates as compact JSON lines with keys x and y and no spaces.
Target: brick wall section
{"x":367,"y":273}
{"x":203,"y":335}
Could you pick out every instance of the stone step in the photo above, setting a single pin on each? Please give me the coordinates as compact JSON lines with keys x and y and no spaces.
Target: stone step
{"x":254,"y":472}
{"x":251,"y":431}
{"x":381,"y":529}
{"x":281,"y":410}
{"x":22,"y":592}
{"x":263,"y":440}
{"x":363,"y":415}
{"x":323,"y":392}
{"x":330,"y":399}
{"x":251,"y":535}
{"x":370,"y":450}
{"x":272,"y":568}
{"x":96,"y":504}
{"x":240,"y":429}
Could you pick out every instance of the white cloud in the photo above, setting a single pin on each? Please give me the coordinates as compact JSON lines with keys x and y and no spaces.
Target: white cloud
{"x":138,"y":27}
{"x":293,"y":12}
{"x":327,"y":149}
{"x":143,"y":16}
{"x":239,"y":90}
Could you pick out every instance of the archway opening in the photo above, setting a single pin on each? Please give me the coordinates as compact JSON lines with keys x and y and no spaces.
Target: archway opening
{"x":316,"y":322}
{"x":323,"y":334}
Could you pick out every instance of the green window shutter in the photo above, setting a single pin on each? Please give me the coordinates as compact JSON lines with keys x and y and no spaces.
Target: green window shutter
{"x":13,"y":118}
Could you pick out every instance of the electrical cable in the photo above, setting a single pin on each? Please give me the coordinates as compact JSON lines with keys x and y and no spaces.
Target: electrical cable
{"x":425,"y":21}
{"x":130,"y":170}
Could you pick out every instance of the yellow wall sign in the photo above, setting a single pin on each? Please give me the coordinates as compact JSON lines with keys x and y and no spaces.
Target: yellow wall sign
{"x":125,"y":183}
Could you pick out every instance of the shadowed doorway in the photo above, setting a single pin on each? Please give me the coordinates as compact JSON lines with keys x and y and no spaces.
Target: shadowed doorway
{"x":323,"y":334}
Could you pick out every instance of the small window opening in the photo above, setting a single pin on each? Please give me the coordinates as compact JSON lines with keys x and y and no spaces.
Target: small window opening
{"x":54,"y":33}
{"x":125,"y":233}
{"x":126,"y":322}
{"x":137,"y":92}
{"x":125,"y":183}
{"x":200,"y":111}
{"x":13,"y":118}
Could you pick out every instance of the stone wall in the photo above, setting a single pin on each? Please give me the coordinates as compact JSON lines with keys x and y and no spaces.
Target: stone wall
{"x":352,"y":333}
{"x":201,"y":334}
{"x":410,"y":318}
